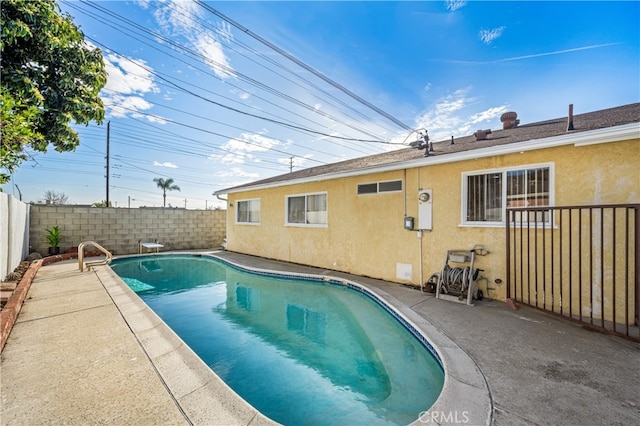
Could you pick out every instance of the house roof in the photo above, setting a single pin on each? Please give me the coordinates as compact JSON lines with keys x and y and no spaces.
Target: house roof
{"x":443,"y":150}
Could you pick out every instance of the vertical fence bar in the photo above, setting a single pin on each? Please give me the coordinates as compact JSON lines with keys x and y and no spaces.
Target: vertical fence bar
{"x":626,"y":270}
{"x":560,"y":261}
{"x":613,"y":268}
{"x":508,"y":253}
{"x":521,"y":261}
{"x":544,"y":263}
{"x":591,"y":250}
{"x":637,"y":265}
{"x":528,"y":258}
{"x":602,"y":267}
{"x":580,"y":262}
{"x":553,"y":259}
{"x":535,"y":256}
{"x":570,"y":268}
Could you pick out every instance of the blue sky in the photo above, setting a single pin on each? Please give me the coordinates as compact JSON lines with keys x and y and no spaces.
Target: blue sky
{"x":202,"y":100}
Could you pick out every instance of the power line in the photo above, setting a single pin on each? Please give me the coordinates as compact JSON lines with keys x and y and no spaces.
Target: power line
{"x":227,"y":69}
{"x":303,"y":65}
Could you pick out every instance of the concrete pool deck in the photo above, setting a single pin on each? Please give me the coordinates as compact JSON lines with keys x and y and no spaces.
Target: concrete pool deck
{"x":83,"y":351}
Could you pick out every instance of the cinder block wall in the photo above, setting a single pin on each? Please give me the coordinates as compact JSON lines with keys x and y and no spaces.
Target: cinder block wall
{"x":120,"y":229}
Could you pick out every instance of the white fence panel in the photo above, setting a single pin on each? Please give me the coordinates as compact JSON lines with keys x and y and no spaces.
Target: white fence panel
{"x":14,"y":233}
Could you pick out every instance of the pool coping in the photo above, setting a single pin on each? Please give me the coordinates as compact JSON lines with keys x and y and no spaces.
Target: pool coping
{"x":204,"y":398}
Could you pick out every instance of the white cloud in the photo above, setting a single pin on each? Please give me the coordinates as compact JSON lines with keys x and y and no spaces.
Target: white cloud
{"x":488,"y":114}
{"x":165,"y":164}
{"x":127,"y":76}
{"x":451,"y":116}
{"x":123,"y":106}
{"x":224,"y":31}
{"x":182,"y":18}
{"x":236,"y":172}
{"x":229,"y":158}
{"x":453,"y":5}
{"x":212,"y":50}
{"x":129,"y":80}
{"x":251,"y":142}
{"x":240,"y":150}
{"x":487,"y":36}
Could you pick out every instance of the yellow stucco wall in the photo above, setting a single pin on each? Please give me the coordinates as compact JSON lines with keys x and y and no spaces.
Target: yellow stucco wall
{"x":365,"y":233}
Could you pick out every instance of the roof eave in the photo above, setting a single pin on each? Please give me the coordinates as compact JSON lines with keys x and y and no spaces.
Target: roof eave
{"x":591,"y":137}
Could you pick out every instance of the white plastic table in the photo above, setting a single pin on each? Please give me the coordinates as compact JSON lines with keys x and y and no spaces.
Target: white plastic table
{"x":149,"y":246}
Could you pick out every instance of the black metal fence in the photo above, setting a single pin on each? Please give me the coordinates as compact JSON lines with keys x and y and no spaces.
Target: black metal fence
{"x":579,"y":262}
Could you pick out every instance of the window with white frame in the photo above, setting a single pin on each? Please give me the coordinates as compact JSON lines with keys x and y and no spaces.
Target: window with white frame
{"x":308,"y":209}
{"x":248,"y":211}
{"x":487,"y":194}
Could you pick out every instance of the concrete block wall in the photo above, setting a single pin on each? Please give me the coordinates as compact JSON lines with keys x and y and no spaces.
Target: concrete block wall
{"x":120,"y":229}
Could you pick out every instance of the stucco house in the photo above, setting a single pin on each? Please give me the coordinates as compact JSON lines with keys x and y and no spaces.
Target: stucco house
{"x":395,"y":215}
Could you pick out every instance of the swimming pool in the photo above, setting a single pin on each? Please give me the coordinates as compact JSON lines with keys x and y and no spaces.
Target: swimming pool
{"x":309,"y":351}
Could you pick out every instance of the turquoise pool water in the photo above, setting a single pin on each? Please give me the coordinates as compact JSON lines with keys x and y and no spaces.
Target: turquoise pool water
{"x":300,"y":351}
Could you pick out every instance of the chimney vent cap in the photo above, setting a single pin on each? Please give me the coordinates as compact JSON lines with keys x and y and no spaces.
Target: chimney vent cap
{"x":508,"y":116}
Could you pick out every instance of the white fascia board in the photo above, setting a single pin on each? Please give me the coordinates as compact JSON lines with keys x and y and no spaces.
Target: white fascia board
{"x":592,"y":137}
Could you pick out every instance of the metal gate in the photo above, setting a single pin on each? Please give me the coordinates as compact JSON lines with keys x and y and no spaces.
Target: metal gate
{"x":579,"y":262}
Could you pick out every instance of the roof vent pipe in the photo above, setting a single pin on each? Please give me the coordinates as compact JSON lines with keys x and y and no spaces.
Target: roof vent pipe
{"x":570,"y":118}
{"x":481,"y":135}
{"x":509,"y":120}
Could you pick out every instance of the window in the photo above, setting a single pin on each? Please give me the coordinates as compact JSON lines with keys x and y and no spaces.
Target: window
{"x":368,"y":188}
{"x":487,"y":195}
{"x":308,"y":209}
{"x":248,"y":211}
{"x":377,"y":187}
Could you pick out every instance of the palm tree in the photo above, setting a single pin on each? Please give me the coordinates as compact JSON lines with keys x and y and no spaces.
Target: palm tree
{"x":166,"y":185}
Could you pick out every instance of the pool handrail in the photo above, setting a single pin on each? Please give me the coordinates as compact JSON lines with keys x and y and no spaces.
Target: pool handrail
{"x":104,"y":261}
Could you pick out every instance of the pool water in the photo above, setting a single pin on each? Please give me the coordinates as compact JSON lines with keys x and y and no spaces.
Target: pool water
{"x":301,"y":352}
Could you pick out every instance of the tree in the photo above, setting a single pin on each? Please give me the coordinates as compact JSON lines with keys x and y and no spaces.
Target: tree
{"x":166,"y":185}
{"x":50,"y":76}
{"x":53,"y":197}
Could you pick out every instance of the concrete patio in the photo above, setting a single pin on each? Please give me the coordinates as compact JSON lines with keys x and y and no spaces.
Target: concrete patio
{"x":83,"y":351}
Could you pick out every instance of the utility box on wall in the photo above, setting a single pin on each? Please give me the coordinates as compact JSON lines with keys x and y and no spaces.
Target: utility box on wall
{"x":425,"y":209}
{"x":408,"y":223}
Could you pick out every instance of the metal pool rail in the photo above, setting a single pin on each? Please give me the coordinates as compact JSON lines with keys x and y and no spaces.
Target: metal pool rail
{"x":104,"y":261}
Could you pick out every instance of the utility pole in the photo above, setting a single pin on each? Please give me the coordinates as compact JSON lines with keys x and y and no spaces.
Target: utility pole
{"x":107,"y":167}
{"x":290,"y":164}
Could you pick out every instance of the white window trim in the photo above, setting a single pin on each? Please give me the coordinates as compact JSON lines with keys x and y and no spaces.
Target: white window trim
{"x":304,"y":225}
{"x":378,"y":192}
{"x":501,"y":224}
{"x":237,"y":222}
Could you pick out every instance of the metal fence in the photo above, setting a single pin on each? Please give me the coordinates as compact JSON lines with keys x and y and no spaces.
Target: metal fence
{"x":579,"y":262}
